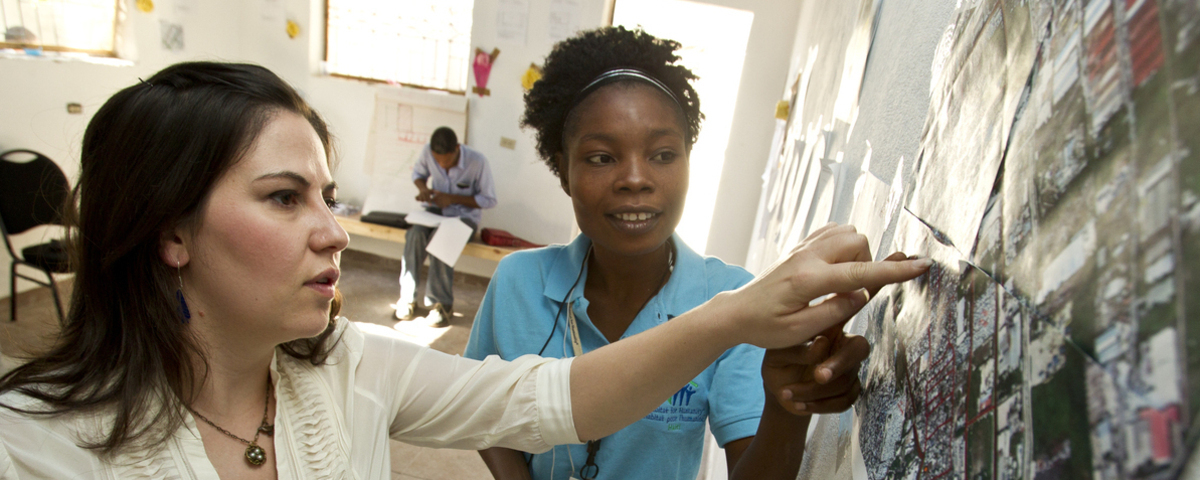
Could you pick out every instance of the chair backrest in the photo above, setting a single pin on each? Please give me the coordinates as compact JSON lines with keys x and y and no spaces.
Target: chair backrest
{"x":31,"y":193}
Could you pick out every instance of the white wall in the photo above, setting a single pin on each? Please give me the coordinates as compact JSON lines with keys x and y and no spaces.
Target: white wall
{"x":531,"y":204}
{"x":764,"y":76}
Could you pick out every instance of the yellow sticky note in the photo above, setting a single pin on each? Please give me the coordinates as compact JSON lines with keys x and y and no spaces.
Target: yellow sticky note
{"x":146,"y":6}
{"x":531,"y":76}
{"x":782,"y":109}
{"x":293,"y":29}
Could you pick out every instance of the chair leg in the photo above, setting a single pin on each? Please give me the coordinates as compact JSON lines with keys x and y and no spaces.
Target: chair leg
{"x":57,"y":302}
{"x":12,"y":285}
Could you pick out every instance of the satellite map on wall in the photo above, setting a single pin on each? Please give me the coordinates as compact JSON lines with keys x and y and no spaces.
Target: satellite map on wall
{"x":1058,"y":190}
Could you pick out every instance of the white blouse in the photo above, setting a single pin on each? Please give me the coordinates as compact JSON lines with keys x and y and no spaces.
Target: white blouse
{"x":333,"y":421}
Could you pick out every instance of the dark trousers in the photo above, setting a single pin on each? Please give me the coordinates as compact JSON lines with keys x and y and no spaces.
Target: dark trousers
{"x":439,"y":287}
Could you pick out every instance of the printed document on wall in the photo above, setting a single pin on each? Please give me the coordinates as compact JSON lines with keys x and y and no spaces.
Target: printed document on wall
{"x":512,"y":20}
{"x":564,"y":19}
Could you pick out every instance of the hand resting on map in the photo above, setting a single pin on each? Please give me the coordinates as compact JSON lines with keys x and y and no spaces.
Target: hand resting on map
{"x":821,"y":375}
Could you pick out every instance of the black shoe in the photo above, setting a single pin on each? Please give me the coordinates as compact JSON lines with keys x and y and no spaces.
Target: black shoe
{"x":439,"y":316}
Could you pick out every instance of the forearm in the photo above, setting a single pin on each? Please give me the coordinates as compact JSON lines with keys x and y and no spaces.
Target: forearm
{"x":505,"y":463}
{"x":615,"y":385}
{"x":421,"y":184}
{"x":777,"y":449}
{"x":443,"y":199}
{"x":464,"y":200}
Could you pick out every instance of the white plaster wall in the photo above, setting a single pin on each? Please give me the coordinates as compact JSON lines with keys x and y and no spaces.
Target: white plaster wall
{"x":764,"y":76}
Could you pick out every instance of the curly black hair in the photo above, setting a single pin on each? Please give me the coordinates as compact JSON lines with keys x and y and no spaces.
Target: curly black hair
{"x":576,"y":61}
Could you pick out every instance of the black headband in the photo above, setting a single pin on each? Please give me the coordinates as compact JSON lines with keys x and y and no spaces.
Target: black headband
{"x":618,"y":74}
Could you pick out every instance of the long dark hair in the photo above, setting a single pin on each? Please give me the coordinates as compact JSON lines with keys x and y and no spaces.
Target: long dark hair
{"x":150,"y":157}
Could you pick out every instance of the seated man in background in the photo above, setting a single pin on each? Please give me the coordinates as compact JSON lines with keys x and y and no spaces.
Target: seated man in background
{"x":452,"y":180}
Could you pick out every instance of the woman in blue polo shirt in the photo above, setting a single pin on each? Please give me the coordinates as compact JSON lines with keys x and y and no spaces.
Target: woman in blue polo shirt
{"x":615,"y":121}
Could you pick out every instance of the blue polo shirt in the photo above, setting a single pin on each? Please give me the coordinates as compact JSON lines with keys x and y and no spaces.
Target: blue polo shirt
{"x":470,"y":176}
{"x":518,"y":313}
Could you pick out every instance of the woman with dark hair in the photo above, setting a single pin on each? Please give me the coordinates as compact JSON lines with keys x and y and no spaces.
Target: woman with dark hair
{"x":203,"y":339}
{"x":615,"y":119}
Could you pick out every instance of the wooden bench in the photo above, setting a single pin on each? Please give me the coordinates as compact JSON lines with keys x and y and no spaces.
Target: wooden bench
{"x":392,"y":234}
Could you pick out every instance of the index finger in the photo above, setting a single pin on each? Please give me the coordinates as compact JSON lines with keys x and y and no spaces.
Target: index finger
{"x":894,"y":257}
{"x":840,"y":244}
{"x":851,"y":276}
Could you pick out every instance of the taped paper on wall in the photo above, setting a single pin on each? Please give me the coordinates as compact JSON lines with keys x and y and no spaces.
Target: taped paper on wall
{"x":512,"y":20}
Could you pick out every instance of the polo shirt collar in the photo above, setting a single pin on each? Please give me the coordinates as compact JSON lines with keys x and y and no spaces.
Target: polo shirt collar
{"x":564,"y":270}
{"x":687,"y":287}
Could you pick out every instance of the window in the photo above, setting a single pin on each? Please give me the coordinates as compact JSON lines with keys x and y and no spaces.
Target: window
{"x":420,"y":43}
{"x":87,"y":26}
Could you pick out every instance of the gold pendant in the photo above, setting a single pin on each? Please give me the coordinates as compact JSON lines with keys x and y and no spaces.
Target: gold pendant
{"x":255,"y":455}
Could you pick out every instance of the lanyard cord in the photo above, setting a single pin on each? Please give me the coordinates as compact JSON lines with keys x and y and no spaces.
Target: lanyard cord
{"x":593,"y":447}
{"x":554,"y":326}
{"x":589,"y":470}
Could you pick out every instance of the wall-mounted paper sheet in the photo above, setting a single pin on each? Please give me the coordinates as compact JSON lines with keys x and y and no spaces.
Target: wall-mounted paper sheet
{"x":563,"y":19}
{"x":512,"y":20}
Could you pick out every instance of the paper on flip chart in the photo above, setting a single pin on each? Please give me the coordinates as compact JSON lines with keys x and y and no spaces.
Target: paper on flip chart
{"x":449,"y":239}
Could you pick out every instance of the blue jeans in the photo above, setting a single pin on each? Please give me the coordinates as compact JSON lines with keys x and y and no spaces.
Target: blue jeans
{"x":440,"y":285}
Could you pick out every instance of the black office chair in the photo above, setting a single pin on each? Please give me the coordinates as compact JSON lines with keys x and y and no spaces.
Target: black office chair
{"x":33,"y":193}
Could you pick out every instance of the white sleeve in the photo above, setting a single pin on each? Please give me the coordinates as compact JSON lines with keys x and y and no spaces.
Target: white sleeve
{"x":7,"y":472}
{"x":41,"y":446}
{"x":443,"y":400}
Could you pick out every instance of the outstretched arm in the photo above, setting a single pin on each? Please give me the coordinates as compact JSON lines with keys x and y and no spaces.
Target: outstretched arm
{"x":615,"y":385}
{"x":444,"y":200}
{"x":820,"y":376}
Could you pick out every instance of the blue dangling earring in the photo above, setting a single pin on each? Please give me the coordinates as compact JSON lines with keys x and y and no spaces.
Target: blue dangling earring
{"x":183,"y":308}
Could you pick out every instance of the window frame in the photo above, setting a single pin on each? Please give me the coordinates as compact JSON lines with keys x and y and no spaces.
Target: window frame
{"x":116,"y":29}
{"x":325,"y":58}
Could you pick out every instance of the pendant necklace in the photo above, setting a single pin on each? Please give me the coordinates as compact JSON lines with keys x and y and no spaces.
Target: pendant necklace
{"x":254,"y":453}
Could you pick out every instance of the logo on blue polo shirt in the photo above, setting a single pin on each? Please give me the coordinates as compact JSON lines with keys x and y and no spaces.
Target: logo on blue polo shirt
{"x":678,"y":410}
{"x":683,"y":397}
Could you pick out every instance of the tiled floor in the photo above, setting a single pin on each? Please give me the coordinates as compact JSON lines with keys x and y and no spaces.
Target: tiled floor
{"x":369,"y":285}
